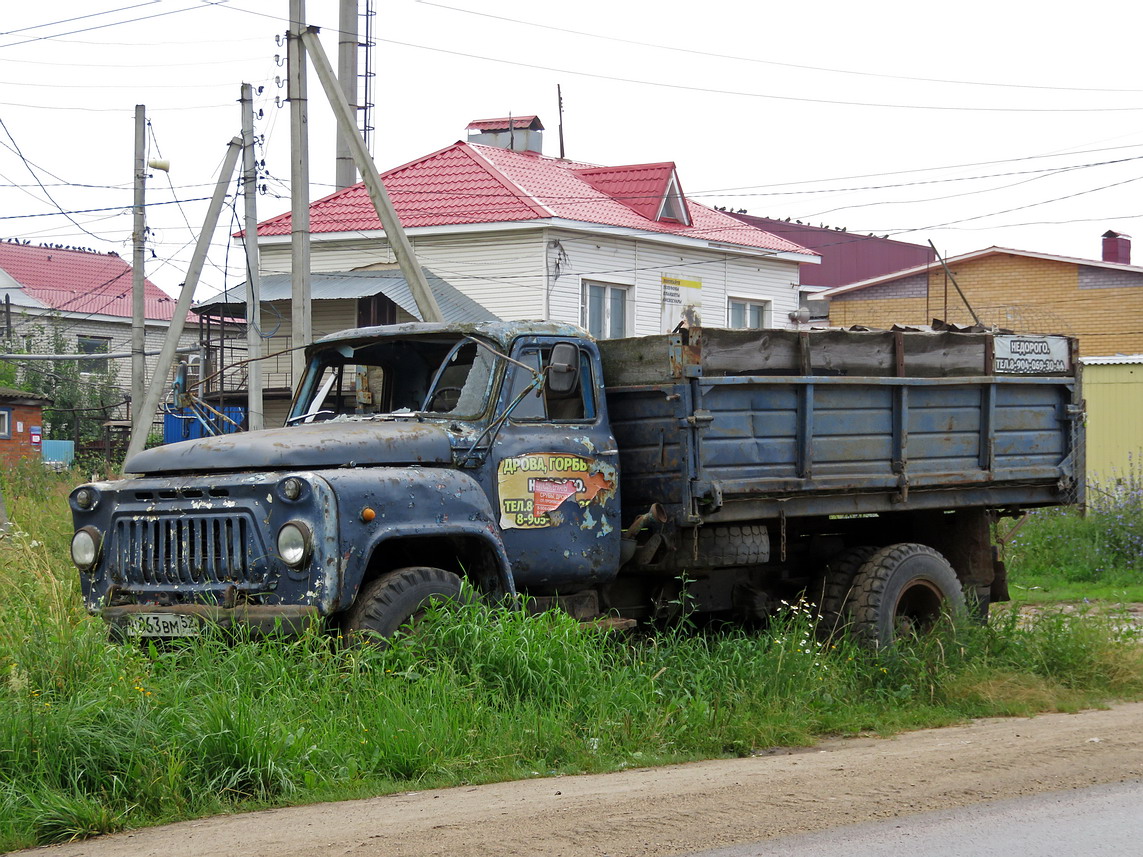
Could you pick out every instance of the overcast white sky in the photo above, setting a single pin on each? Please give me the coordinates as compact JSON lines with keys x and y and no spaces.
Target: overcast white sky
{"x":972,"y":124}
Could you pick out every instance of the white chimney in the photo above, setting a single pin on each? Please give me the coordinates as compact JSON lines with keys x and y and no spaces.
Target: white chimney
{"x":518,"y":133}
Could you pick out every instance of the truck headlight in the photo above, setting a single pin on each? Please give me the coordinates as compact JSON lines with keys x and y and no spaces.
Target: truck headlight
{"x":85,"y":548}
{"x":294,"y":544}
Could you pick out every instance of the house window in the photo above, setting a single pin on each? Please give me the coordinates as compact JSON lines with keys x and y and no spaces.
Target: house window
{"x":5,"y":423}
{"x":92,"y":345}
{"x":753,"y":315}
{"x":605,"y":310}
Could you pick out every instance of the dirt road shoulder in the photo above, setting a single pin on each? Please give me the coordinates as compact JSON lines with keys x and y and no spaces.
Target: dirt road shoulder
{"x":681,"y":808}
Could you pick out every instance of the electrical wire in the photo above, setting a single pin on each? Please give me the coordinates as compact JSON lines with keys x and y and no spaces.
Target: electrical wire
{"x":735,"y":190}
{"x":104,"y":208}
{"x":202,"y":4}
{"x":51,"y":199}
{"x":1015,"y":208}
{"x":709,"y":90}
{"x":77,"y":18}
{"x":716,"y":55}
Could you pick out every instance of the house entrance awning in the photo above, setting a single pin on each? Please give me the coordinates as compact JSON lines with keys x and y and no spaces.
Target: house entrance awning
{"x":343,"y":285}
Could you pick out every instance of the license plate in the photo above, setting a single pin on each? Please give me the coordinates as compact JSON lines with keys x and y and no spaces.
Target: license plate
{"x":162,"y":625}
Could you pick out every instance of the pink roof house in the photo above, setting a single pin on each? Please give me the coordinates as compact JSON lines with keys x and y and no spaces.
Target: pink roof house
{"x":69,"y":298}
{"x":617,"y":249}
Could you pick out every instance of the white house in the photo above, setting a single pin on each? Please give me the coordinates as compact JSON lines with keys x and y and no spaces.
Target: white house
{"x":81,"y":299}
{"x":618,"y":250}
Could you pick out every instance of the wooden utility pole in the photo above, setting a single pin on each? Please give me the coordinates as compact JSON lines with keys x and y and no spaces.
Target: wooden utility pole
{"x":138,"y":240}
{"x":253,"y":284}
{"x":346,"y":122}
{"x":145,"y":409}
{"x":301,"y":319}
{"x":346,"y":171}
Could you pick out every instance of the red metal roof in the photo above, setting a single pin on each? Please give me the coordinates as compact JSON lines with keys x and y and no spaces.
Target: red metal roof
{"x":469,"y":183}
{"x":640,"y":187}
{"x":519,"y":123}
{"x":80,"y":281}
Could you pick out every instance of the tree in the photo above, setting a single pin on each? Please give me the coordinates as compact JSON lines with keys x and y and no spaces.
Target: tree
{"x":82,"y":399}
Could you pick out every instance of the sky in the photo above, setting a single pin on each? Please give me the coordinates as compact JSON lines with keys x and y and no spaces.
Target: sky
{"x":971,"y":124}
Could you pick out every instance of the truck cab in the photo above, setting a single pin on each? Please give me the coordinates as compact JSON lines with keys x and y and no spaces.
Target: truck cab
{"x":413,"y":456}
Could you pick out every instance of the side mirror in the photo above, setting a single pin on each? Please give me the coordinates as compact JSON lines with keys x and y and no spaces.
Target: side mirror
{"x":563,"y":368}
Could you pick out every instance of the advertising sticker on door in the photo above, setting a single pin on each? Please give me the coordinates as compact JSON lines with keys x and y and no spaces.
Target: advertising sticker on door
{"x":535,"y":484}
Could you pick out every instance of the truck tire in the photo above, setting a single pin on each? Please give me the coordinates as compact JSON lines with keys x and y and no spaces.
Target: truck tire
{"x":720,"y":547}
{"x":903,"y":589}
{"x":390,"y":601}
{"x":833,"y":592}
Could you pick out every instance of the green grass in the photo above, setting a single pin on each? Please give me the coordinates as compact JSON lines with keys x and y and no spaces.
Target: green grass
{"x":1069,"y":555}
{"x":97,"y":737}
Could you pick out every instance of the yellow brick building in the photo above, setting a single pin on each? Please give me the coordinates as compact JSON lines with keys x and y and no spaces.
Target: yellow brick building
{"x":1100,"y":302}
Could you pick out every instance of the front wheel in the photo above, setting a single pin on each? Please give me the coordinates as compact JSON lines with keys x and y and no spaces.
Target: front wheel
{"x":902,"y":590}
{"x":399,"y":598}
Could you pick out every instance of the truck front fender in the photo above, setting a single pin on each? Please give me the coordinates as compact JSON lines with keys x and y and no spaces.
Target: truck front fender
{"x":378,"y":506}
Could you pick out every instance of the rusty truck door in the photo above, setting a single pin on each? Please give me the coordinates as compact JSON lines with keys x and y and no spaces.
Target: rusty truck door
{"x":554,"y":474}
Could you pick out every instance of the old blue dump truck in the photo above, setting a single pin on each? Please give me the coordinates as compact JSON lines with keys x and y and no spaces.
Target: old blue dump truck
{"x":746,"y":467}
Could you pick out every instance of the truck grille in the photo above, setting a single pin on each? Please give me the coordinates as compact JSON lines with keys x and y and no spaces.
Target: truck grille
{"x":159,"y":551}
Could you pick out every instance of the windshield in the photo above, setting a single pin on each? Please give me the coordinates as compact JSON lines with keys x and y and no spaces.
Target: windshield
{"x":446,"y":375}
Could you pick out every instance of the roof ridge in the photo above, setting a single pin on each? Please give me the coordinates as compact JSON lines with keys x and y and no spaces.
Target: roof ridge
{"x":565,"y":163}
{"x":617,"y":167}
{"x":973,"y":255}
{"x":512,"y":187}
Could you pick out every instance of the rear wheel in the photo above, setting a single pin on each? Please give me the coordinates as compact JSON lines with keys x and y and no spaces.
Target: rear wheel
{"x":902,"y":590}
{"x":398,"y":598}
{"x":833,"y":592}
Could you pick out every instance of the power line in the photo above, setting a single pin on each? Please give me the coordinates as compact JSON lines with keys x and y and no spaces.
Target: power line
{"x":888,"y":202}
{"x":76,"y":18}
{"x":733,"y":190}
{"x":51,"y":199}
{"x":132,"y":86}
{"x":135,"y":66}
{"x":90,"y":210}
{"x":1016,"y":208}
{"x":126,"y":110}
{"x":202,"y":4}
{"x":762,"y":95}
{"x":716,"y":55}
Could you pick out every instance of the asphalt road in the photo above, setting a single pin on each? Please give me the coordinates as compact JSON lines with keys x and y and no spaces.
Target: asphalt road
{"x":1101,"y":820}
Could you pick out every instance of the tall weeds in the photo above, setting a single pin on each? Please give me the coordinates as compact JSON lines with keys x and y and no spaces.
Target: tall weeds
{"x":1101,"y":547}
{"x":96,"y":737}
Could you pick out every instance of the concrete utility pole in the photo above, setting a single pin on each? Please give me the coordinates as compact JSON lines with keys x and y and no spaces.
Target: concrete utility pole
{"x":346,"y":122}
{"x":145,"y":409}
{"x":301,"y":319}
{"x":346,"y":171}
{"x":253,"y":284}
{"x":138,"y":238}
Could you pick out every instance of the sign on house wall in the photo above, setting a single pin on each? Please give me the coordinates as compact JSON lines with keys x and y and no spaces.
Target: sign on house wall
{"x":682,"y":300}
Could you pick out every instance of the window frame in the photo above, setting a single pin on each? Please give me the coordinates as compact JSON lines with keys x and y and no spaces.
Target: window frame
{"x":516,"y":380}
{"x":764,"y":305}
{"x":85,"y":365}
{"x":5,"y":423}
{"x":609,"y":290}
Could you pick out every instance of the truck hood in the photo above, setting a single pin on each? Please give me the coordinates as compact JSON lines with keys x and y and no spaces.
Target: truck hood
{"x":308,"y":447}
